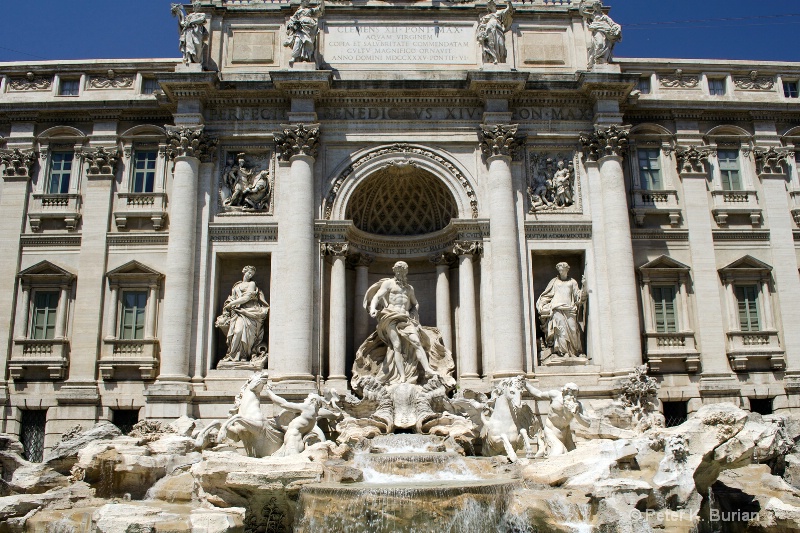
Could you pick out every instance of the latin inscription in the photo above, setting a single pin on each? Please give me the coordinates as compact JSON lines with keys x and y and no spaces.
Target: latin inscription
{"x":430,"y":44}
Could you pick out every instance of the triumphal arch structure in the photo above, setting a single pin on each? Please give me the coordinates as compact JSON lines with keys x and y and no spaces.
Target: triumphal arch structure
{"x":170,"y":226}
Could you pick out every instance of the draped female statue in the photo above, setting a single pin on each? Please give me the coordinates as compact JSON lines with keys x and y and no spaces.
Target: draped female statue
{"x":560,"y":309}
{"x":243,"y":318}
{"x":491,"y":32}
{"x":302,"y":31}
{"x":605,"y":33}
{"x":192,"y":29}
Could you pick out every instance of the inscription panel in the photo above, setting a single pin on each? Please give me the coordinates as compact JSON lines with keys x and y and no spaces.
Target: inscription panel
{"x":399,"y":43}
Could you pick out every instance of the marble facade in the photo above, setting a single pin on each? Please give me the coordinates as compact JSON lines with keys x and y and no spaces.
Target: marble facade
{"x":396,"y":142}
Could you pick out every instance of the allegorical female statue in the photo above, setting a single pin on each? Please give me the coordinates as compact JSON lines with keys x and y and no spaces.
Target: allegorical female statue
{"x":302,"y":31}
{"x":192,"y":29}
{"x":243,"y":319}
{"x":492,"y":28}
{"x":561,"y":310}
{"x":605,"y":33}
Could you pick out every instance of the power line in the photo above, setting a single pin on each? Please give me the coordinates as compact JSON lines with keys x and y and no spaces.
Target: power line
{"x":21,"y":52}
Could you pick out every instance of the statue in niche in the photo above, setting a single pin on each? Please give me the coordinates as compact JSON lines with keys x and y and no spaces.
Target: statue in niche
{"x":302,"y":30}
{"x":556,"y":434}
{"x":605,"y":33}
{"x":243,"y":321}
{"x":553,"y":186}
{"x":249,"y":189}
{"x":193,"y":33}
{"x":562,"y":312}
{"x":492,"y":28}
{"x":401,"y":350}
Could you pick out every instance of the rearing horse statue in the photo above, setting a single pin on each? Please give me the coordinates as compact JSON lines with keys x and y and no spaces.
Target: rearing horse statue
{"x":506,"y":420}
{"x":260,"y":435}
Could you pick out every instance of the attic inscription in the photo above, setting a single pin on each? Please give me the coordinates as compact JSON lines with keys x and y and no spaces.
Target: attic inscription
{"x":400,"y":44}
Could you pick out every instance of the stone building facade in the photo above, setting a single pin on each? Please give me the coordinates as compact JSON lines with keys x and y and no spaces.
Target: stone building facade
{"x":131,"y":203}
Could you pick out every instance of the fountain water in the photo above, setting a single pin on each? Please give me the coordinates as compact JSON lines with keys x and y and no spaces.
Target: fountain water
{"x":410,"y":491}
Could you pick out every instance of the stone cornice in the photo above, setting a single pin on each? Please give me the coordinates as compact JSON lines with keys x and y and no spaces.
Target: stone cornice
{"x":297,"y":140}
{"x":49,"y":241}
{"x":302,"y":84}
{"x":491,"y":85}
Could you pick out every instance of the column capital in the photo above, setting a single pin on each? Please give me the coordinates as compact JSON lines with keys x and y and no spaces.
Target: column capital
{"x":334,"y":249}
{"x":604,"y":141}
{"x":18,"y":163}
{"x":500,"y":139}
{"x":102,"y":161}
{"x":360,"y":260}
{"x":297,"y":139}
{"x":692,"y":160}
{"x":772,"y":163}
{"x":443,"y":259}
{"x":190,"y":141}
{"x":472,"y":248}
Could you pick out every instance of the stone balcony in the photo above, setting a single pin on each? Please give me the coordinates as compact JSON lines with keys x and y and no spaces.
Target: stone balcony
{"x":727,"y":203}
{"x":33,"y":358}
{"x":672,"y":352}
{"x":152,"y":205}
{"x":755,"y":350}
{"x":663,"y":202}
{"x":66,"y":207}
{"x":137,"y":357}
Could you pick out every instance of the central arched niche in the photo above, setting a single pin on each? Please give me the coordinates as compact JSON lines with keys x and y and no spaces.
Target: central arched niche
{"x":401,"y":200}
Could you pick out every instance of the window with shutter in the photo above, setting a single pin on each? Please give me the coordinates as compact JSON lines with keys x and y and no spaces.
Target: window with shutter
{"x":664,"y":302}
{"x":747,"y":299}
{"x":649,"y":168}
{"x":729,"y":170}
{"x":43,"y":320}
{"x":134,"y":304}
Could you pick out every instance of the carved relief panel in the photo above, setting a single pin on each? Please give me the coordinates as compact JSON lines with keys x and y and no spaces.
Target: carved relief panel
{"x":246,"y":182}
{"x":553,"y":183}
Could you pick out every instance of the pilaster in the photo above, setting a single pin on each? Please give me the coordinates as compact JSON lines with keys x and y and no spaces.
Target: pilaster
{"x":337,"y":329}
{"x":467,"y":343}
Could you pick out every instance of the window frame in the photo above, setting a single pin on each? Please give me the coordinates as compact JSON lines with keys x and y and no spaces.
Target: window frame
{"x":52,"y":171}
{"x":643,"y":184}
{"x":51,"y":311}
{"x":136,"y":151}
{"x":786,"y":83}
{"x":722,"y":172}
{"x":712,"y":91}
{"x":62,"y":81}
{"x":138,"y":326}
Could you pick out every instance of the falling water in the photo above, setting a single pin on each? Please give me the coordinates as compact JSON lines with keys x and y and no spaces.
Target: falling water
{"x":575,"y":516}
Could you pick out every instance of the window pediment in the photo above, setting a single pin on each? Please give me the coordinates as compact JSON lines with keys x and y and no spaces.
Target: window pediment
{"x":134,"y":272}
{"x":45,"y":273}
{"x":747,"y":266}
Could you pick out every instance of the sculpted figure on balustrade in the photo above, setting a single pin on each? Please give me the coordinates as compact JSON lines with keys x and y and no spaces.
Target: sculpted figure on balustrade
{"x":605,"y":33}
{"x":302,"y":31}
{"x":193,"y":33}
{"x":492,"y":28}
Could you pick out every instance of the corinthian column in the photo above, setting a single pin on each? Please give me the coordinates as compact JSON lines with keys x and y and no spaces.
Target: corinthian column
{"x":188,"y":146}
{"x":297,"y":257}
{"x":604,"y":147}
{"x":498,"y":144}
{"x":467,"y":316}
{"x":337,"y":330}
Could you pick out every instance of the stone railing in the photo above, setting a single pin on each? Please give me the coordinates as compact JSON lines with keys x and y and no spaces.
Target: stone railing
{"x":39,"y":358}
{"x":755,"y":350}
{"x":727,"y":203}
{"x":66,"y":207}
{"x":672,"y":352}
{"x":661,"y":202}
{"x":152,"y":205}
{"x":122,"y":358}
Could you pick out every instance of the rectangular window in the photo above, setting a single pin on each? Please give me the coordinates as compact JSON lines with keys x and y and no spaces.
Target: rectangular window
{"x":134,"y":304}
{"x":32,"y":433}
{"x":150,"y":85}
{"x":664,"y":303}
{"x":729,"y":170}
{"x":716,"y":86}
{"x":649,"y":168}
{"x":69,"y":87}
{"x":60,"y":171}
{"x":747,"y":299}
{"x":790,"y":89}
{"x":644,"y":85}
{"x":43,"y":320}
{"x":144,"y":170}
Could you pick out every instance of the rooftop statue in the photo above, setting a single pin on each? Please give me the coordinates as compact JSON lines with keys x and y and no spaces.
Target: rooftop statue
{"x":605,"y":33}
{"x":400,"y":350}
{"x":561,"y":309}
{"x":491,"y":32}
{"x":243,"y":319}
{"x":302,"y":30}
{"x":193,"y":33}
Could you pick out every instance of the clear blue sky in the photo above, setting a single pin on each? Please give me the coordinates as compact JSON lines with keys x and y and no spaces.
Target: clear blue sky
{"x":100,"y":29}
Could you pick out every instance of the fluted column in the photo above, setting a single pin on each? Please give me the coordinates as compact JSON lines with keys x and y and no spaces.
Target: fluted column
{"x":443,"y":309}
{"x":188,"y":145}
{"x":337,"y":329}
{"x":297,"y":259}
{"x":467,"y":346}
{"x":360,"y":315}
{"x":498,"y":144}
{"x":605,"y":146}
